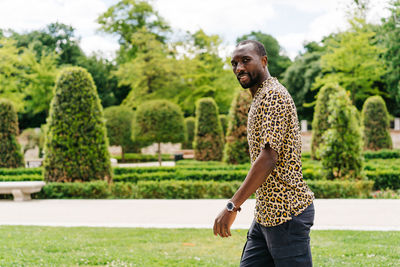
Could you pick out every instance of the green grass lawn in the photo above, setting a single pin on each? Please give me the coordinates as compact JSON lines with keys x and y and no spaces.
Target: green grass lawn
{"x":59,"y":246}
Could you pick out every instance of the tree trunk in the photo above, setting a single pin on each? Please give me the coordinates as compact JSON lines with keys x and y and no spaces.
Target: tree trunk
{"x":122,"y":154}
{"x":159,"y":153}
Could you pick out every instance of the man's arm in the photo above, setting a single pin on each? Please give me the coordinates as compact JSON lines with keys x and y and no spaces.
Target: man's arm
{"x":259,"y":171}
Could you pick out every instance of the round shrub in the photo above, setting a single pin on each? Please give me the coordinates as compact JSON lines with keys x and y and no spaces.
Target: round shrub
{"x":341,"y":150}
{"x":236,"y":147}
{"x":159,"y":121}
{"x":190,"y":122}
{"x":376,"y":124}
{"x":119,"y":121}
{"x":76,"y":146}
{"x":10,"y":150}
{"x":208,"y":138}
{"x":320,"y":120}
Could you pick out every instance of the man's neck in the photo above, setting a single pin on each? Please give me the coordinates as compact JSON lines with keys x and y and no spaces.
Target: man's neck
{"x":254,"y":89}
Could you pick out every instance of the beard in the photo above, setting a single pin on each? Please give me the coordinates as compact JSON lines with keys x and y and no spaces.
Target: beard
{"x":249,"y":82}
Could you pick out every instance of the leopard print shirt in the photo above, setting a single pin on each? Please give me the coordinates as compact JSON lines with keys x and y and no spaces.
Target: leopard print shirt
{"x":273,"y":119}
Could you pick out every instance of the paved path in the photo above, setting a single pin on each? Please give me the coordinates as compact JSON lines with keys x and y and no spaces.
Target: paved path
{"x":357,"y":214}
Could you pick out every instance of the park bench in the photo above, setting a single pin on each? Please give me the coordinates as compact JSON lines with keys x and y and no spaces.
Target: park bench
{"x":21,"y":190}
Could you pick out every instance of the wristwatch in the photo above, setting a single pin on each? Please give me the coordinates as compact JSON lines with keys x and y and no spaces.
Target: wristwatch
{"x":231,"y":207}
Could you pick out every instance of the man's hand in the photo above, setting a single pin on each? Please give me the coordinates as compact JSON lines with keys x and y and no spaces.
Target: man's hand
{"x":223,"y":223}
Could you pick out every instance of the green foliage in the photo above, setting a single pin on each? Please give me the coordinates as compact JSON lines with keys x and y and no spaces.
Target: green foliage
{"x":384,"y":179}
{"x":126,"y":18}
{"x":56,"y":38}
{"x":299,"y":77}
{"x":375,"y":119}
{"x":76,"y":144}
{"x":159,"y":121}
{"x":341,"y":189}
{"x":224,"y":122}
{"x":390,"y":39}
{"x":237,"y":148}
{"x":277,"y":61}
{"x":205,"y":73}
{"x":190,"y":123}
{"x":188,"y":189}
{"x":119,"y":120}
{"x":10,"y":150}
{"x":137,"y":157}
{"x":341,"y":151}
{"x":353,"y":61}
{"x":208,"y":139}
{"x":382,"y":154}
{"x":106,"y":83}
{"x":320,"y":120}
{"x":156,"y":76}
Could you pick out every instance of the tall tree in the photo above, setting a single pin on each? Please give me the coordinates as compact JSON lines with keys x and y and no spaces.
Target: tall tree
{"x":299,"y":77}
{"x":353,"y":60}
{"x":126,"y":18}
{"x":152,"y":74}
{"x":390,"y":39}
{"x":278,"y":62}
{"x":56,"y":38}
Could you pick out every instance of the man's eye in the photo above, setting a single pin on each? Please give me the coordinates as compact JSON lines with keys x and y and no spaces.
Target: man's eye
{"x":245,"y":60}
{"x":234,"y":64}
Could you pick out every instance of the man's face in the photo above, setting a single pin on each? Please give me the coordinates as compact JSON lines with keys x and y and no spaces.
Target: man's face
{"x":248,"y":66}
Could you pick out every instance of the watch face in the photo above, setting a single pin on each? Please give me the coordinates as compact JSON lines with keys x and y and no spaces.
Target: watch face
{"x":229,"y":206}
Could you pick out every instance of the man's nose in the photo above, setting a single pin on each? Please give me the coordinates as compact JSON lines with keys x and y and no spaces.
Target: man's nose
{"x":239,"y":68}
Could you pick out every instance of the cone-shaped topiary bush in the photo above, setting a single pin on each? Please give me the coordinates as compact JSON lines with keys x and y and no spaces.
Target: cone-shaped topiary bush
{"x":159,"y":121}
{"x":76,"y":143}
{"x":236,"y":147}
{"x":341,"y":150}
{"x":320,"y":120}
{"x":189,"y":121}
{"x":10,"y":150}
{"x":376,"y":124}
{"x":208,"y":138}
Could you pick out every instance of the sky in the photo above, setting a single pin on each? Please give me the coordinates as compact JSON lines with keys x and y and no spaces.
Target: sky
{"x":291,"y":22}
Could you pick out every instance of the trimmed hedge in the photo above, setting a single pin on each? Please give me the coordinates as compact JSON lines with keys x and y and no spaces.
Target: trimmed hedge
{"x":341,"y":189}
{"x":137,"y":158}
{"x":384,"y":179}
{"x":187,"y":189}
{"x":20,"y":171}
{"x":383,"y":154}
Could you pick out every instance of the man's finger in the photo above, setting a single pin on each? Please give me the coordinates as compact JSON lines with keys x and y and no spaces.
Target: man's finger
{"x":218,"y":228}
{"x":229,"y":230}
{"x":215,"y":227}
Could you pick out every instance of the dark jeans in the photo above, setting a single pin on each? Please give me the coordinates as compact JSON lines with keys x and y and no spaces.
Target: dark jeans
{"x":287,"y":244}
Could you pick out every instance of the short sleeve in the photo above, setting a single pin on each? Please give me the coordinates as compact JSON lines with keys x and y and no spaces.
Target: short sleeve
{"x":273,"y":114}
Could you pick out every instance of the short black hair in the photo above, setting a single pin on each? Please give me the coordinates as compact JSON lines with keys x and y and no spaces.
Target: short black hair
{"x":260,"y":49}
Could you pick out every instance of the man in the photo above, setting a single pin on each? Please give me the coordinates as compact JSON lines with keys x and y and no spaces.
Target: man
{"x":284,"y":212}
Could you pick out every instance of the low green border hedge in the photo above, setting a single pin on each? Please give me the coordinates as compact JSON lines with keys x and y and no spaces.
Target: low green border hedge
{"x":187,"y":189}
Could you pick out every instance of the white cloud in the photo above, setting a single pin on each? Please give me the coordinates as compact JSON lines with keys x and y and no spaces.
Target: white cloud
{"x":229,"y":19}
{"x":26,"y":15}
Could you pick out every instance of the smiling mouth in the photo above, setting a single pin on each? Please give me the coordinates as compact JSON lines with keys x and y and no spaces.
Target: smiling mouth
{"x":243,"y":77}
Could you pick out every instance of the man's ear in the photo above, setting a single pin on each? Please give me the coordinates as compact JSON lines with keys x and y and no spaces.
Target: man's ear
{"x":264,"y":61}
